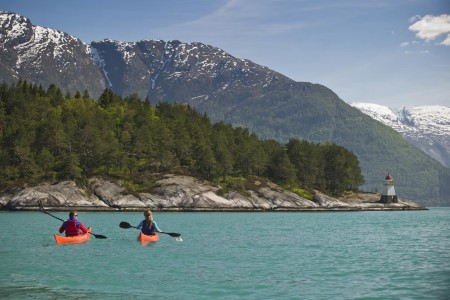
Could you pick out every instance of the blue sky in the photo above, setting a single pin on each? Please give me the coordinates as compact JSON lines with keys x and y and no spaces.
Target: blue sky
{"x":393,"y":53}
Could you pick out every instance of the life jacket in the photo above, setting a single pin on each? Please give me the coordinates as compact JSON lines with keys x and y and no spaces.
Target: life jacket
{"x":72,"y":227}
{"x":145,"y":230}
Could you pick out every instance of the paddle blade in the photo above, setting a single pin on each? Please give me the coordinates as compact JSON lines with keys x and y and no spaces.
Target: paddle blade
{"x":172,"y":234}
{"x":99,"y":236}
{"x":125,"y":225}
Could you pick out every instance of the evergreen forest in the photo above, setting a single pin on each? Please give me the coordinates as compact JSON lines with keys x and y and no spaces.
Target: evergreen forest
{"x":48,"y":135}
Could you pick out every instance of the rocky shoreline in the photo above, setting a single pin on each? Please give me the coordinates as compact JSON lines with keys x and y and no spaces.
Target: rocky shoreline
{"x":185,"y":193}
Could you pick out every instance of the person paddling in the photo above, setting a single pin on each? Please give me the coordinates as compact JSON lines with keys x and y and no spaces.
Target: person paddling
{"x":148,"y":226}
{"x":72,"y":226}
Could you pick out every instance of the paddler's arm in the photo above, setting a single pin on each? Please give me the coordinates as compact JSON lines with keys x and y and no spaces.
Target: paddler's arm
{"x":156,"y":227}
{"x":140,"y":225}
{"x":62,"y":228}
{"x":83,"y":228}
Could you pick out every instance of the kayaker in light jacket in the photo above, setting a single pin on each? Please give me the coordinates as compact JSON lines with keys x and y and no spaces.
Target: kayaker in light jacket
{"x":148,"y":226}
{"x":72,"y":226}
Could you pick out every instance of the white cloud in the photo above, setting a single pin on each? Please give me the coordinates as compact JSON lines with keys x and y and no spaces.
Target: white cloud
{"x":430,"y":27}
{"x":446,"y":42}
{"x":415,"y":18}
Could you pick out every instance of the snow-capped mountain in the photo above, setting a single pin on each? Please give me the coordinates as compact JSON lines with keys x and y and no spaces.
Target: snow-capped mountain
{"x":426,"y":127}
{"x":157,"y":68}
{"x":44,"y":55}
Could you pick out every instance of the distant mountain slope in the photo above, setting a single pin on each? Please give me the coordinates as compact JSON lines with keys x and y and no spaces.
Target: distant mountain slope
{"x":208,"y":78}
{"x":237,"y":91}
{"x":426,"y":127}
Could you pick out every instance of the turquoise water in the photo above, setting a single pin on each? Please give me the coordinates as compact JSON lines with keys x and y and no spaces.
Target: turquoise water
{"x":342,"y":255}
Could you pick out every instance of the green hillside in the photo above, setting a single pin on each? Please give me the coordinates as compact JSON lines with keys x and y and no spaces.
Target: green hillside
{"x":315,"y":113}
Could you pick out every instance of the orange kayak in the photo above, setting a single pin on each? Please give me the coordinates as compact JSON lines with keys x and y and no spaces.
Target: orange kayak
{"x":78,"y":239}
{"x":145,"y":239}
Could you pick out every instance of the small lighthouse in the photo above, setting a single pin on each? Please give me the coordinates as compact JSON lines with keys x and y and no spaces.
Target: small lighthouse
{"x":388,"y":195}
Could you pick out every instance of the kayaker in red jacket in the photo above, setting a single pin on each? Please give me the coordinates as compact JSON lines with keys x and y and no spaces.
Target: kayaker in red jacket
{"x":72,"y":226}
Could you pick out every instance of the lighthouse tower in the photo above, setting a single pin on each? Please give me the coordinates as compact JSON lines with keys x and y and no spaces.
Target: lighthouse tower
{"x":388,"y":195}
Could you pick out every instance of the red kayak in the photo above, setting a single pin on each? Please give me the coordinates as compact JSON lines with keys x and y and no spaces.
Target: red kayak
{"x":145,"y":239}
{"x":78,"y":239}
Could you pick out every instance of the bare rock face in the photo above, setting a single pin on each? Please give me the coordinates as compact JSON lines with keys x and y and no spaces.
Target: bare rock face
{"x":190,"y":193}
{"x":113,"y":194}
{"x":253,"y":201}
{"x":280,"y":198}
{"x":63,"y":194}
{"x":329,"y":202}
{"x":184,"y":193}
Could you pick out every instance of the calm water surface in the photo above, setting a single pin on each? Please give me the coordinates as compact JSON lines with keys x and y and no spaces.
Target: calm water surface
{"x":345,"y":255}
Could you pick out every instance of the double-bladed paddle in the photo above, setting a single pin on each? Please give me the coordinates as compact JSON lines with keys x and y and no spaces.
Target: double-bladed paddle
{"x":41,"y":207}
{"x":127,"y":225}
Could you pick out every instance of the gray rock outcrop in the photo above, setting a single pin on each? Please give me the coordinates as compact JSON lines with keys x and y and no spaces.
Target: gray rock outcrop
{"x":184,"y":193}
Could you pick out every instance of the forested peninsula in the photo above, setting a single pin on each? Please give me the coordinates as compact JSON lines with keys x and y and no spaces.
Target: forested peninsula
{"x":48,"y":137}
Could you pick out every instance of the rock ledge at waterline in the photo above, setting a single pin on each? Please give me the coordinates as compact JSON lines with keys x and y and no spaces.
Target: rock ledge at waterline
{"x":184,"y":193}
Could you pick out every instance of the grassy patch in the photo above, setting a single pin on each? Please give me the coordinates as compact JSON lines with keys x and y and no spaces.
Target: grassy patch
{"x":304,"y":193}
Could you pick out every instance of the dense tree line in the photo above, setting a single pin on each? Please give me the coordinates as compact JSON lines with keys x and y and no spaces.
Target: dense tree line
{"x":46,"y":135}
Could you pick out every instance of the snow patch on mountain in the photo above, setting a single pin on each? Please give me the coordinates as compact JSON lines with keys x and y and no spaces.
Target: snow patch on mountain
{"x":100,"y":62}
{"x":16,"y":23}
{"x":427,"y":127}
{"x":433,"y":119}
{"x":127,"y":51}
{"x":31,"y":41}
